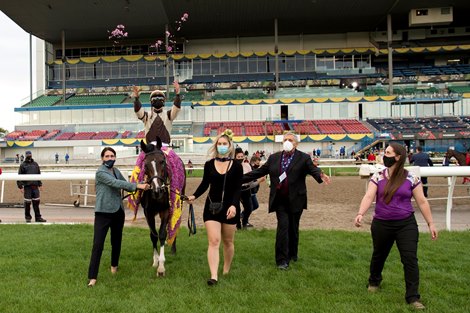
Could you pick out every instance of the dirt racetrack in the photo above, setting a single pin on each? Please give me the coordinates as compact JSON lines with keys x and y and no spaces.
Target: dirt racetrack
{"x":329,"y":206}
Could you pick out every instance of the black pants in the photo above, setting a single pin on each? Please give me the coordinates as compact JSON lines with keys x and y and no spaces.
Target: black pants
{"x":104,"y":221}
{"x":245,"y":198}
{"x":31,"y":194}
{"x":405,"y":234}
{"x":424,"y":181}
{"x":287,"y":233}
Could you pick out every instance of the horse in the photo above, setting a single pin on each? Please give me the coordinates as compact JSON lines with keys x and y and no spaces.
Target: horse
{"x":157,"y":200}
{"x":462,"y":159}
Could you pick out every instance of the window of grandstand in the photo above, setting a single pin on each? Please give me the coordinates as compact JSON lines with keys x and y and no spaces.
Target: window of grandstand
{"x":117,"y":50}
{"x":296,"y":65}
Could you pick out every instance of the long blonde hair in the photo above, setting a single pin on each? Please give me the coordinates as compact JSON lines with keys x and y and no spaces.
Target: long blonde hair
{"x":228,"y":134}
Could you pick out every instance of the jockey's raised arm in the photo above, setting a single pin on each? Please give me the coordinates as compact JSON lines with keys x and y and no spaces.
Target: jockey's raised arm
{"x":157,"y":122}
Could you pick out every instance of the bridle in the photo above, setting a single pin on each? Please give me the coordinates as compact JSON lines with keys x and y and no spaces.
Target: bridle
{"x":165,"y":179}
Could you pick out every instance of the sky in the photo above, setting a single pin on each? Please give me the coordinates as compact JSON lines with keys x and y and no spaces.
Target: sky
{"x":14,"y":70}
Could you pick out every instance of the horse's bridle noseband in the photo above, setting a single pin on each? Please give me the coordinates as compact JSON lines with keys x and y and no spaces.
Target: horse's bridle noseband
{"x":164,"y":179}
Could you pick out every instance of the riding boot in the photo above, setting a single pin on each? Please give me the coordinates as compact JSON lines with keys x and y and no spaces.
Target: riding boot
{"x":27,"y":211}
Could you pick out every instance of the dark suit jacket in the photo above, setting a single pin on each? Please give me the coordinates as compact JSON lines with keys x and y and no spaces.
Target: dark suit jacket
{"x":300,"y":167}
{"x":421,"y":159}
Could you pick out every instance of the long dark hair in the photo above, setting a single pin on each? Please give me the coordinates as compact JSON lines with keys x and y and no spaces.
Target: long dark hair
{"x":398,"y":175}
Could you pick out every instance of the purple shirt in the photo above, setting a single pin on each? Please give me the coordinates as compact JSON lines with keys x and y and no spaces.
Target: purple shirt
{"x":400,"y":206}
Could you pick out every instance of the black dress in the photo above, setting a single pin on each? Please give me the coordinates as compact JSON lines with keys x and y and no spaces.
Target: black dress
{"x":215,"y":180}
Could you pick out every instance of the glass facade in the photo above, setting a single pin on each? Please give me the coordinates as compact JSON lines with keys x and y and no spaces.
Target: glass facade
{"x":123,"y":69}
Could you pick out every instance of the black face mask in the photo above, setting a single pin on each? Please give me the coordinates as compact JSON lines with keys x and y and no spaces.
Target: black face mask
{"x":239,"y":160}
{"x":109,"y":163}
{"x":389,"y":161}
{"x":28,"y":158}
{"x":157,"y":102}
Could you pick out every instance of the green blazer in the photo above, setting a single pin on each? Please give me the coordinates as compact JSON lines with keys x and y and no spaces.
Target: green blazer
{"x":108,"y":189}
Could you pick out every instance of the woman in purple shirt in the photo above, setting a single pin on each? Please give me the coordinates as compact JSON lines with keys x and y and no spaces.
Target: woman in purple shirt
{"x":394,"y":220}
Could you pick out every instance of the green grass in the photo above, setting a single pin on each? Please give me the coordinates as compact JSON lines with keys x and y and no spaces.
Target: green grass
{"x":43,"y":268}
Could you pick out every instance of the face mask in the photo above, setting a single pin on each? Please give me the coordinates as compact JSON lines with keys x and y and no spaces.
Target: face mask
{"x":222,"y":150}
{"x":288,"y":146}
{"x":157,"y":103}
{"x":389,"y":161}
{"x":255,"y":166}
{"x":109,"y":163}
{"x":239,"y":160}
{"x":29,"y":157}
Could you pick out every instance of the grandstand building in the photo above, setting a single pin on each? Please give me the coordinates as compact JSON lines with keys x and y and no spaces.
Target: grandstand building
{"x":336,"y":77}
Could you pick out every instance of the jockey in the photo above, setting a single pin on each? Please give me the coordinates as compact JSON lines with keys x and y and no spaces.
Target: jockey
{"x":158,"y":122}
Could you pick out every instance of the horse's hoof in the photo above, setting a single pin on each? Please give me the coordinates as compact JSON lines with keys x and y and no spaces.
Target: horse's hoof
{"x":160,"y":274}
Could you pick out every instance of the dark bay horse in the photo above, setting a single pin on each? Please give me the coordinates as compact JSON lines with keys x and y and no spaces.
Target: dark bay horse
{"x":461,"y":158}
{"x":156,"y":200}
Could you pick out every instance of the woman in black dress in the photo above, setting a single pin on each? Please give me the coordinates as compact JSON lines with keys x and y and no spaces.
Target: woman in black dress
{"x":223,"y":175}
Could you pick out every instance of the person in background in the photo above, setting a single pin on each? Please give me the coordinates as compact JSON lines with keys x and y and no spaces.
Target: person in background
{"x":394,"y":220}
{"x":109,"y":212}
{"x":245,"y":196}
{"x":67,"y":157}
{"x":223,"y":176}
{"x":30,"y":189}
{"x":255,"y":163}
{"x":287,"y":170}
{"x":423,"y":160}
{"x":190,"y":167}
{"x":56,"y":158}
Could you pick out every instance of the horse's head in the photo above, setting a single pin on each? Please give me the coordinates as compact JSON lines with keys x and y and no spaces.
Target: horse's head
{"x":156,"y":168}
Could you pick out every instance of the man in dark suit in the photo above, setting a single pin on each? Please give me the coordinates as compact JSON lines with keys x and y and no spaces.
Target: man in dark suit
{"x":422,"y":159}
{"x":287,"y":170}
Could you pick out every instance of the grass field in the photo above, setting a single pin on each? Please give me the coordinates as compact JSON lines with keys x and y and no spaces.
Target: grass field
{"x":43,"y":268}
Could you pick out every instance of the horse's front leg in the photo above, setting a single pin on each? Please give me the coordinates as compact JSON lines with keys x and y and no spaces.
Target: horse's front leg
{"x":150,"y":218}
{"x":162,"y":234}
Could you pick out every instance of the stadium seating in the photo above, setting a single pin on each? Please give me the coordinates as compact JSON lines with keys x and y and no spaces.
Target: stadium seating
{"x":43,"y":101}
{"x":15,"y":135}
{"x":51,"y":134}
{"x":126,"y":134}
{"x":82,"y":136}
{"x":65,"y":136}
{"x":278,"y":128}
{"x":412,"y":125}
{"x":105,"y":135}
{"x":33,"y":135}
{"x":94,"y":99}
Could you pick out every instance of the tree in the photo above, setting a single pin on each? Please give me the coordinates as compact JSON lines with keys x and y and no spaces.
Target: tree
{"x":3,"y":132}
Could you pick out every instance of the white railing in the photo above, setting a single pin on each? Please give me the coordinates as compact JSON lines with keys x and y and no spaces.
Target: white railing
{"x":451,"y":172}
{"x":69,"y":175}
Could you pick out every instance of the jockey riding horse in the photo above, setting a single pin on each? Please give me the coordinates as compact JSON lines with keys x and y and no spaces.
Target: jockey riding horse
{"x":158,"y":123}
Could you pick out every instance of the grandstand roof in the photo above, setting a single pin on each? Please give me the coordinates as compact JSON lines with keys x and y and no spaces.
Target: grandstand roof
{"x":89,"y":20}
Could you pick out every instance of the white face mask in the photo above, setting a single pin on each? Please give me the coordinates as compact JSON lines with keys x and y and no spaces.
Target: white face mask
{"x":287,"y":146}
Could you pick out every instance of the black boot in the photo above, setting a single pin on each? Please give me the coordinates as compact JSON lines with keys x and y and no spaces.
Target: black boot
{"x":37,"y":213}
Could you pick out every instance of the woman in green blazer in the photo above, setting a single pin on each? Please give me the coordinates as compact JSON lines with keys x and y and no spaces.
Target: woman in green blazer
{"x":109,"y":212}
